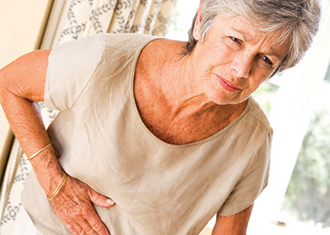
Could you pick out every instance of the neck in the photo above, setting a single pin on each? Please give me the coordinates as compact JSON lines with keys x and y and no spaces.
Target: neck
{"x":169,"y":101}
{"x":179,"y":84}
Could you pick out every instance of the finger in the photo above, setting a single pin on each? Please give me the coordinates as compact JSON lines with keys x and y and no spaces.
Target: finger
{"x":86,"y":228}
{"x":99,"y":199}
{"x":74,"y":228}
{"x":96,"y":223}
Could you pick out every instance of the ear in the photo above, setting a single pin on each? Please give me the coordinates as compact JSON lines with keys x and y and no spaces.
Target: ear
{"x":198,"y":23}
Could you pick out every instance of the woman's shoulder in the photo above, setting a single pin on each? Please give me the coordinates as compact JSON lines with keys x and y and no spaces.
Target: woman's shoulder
{"x":127,"y":41}
{"x":257,"y":116}
{"x":108,"y":41}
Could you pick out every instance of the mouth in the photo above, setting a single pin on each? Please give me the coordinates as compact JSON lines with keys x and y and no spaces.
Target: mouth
{"x":228,"y":86}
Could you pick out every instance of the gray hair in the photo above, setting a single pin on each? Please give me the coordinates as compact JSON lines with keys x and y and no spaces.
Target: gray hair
{"x":297,"y":20}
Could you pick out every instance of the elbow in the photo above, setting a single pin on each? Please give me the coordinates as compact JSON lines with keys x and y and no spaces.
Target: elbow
{"x":1,"y":85}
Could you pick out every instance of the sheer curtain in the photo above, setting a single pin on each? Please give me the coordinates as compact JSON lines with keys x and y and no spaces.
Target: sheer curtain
{"x":72,"y":20}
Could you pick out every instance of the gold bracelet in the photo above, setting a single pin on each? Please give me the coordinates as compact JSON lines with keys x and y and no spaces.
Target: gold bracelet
{"x":61,"y":185}
{"x":29,"y":158}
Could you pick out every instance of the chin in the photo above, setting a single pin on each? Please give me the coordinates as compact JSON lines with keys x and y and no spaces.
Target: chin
{"x":225,"y":100}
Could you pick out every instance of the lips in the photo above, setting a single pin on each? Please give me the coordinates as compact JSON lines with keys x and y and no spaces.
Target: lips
{"x":228,"y":86}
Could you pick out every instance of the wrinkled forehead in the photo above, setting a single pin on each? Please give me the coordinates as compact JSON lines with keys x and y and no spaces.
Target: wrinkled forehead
{"x":250,"y":32}
{"x":277,"y":36}
{"x":281,"y":33}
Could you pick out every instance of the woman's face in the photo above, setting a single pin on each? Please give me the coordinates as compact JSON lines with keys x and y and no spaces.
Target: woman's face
{"x":234,"y":59}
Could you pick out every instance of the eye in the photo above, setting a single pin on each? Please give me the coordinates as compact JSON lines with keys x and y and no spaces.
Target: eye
{"x":235,"y":39}
{"x":268,"y":61}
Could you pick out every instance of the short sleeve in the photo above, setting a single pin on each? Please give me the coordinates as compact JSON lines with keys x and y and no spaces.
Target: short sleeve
{"x":252,"y":183}
{"x":70,"y":67}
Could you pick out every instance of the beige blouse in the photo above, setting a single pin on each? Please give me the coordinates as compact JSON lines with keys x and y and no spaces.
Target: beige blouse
{"x":100,"y":139}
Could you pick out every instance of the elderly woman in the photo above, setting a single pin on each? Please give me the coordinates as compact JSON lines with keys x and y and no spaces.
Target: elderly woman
{"x":154,"y":136}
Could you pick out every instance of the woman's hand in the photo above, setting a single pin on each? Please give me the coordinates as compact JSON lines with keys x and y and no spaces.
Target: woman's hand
{"x":73,"y":205}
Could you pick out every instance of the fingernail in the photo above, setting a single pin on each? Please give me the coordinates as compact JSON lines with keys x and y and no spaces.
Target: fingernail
{"x":111,"y":202}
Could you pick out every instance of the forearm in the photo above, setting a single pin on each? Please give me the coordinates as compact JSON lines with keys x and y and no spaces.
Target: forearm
{"x":26,"y":122}
{"x":24,"y":117}
{"x":233,"y":225}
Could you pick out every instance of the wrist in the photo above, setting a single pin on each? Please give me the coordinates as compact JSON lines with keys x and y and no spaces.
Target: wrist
{"x":47,"y":169}
{"x":59,"y":187}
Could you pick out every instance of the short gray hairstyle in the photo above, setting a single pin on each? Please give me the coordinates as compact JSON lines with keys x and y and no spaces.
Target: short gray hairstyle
{"x":297,"y":20}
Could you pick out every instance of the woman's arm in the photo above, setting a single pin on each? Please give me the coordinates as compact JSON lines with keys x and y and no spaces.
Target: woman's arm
{"x":233,"y":225}
{"x":22,"y":84}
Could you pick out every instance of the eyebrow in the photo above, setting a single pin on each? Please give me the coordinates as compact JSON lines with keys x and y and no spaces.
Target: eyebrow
{"x":246,"y":37}
{"x":243,"y":34}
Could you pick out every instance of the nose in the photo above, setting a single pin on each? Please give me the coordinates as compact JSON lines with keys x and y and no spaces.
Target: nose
{"x":241,"y":65}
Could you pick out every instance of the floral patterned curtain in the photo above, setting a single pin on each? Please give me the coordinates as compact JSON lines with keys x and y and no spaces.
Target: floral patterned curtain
{"x":72,"y":20}
{"x":88,"y":17}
